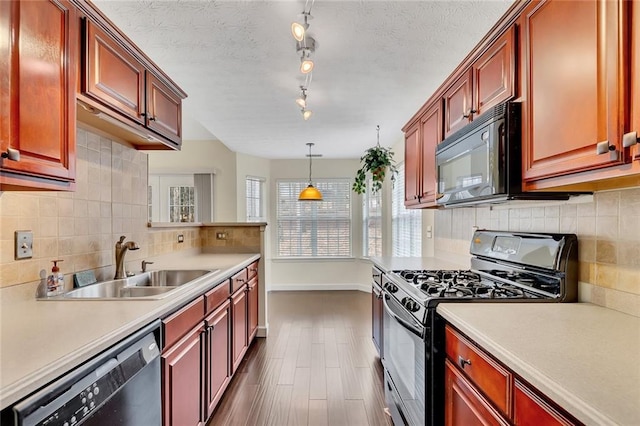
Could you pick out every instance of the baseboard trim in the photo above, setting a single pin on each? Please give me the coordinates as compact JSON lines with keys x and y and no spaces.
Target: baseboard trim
{"x":319,"y":287}
{"x":262,"y":331}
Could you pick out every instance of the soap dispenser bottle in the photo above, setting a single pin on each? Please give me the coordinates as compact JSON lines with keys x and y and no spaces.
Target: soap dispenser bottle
{"x":55,"y":281}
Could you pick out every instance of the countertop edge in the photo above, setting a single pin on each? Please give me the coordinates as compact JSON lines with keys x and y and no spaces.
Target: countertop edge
{"x":35,"y":380}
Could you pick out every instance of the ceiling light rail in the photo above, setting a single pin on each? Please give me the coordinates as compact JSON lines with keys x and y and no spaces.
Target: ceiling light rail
{"x":305,"y":46}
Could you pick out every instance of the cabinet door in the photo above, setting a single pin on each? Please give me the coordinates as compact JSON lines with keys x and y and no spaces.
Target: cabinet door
{"x":164,"y":110}
{"x":431,"y":133}
{"x":573,"y":88}
{"x":113,"y":76}
{"x":458,"y":104}
{"x":182,"y":391}
{"x":38,"y":53}
{"x":531,"y":410}
{"x":252,"y":303}
{"x":494,"y":73}
{"x":239,"y":326}
{"x":464,"y":406}
{"x":218,"y":357}
{"x":412,"y":170}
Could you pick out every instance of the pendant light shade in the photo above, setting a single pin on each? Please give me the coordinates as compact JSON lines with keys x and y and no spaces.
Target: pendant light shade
{"x":310,"y":193}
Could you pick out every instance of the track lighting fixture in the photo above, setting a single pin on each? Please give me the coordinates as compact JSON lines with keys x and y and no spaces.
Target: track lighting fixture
{"x":306,"y":47}
{"x":298,"y":30}
{"x":302,"y":100}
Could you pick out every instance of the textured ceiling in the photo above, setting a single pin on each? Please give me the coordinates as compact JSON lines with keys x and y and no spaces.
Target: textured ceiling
{"x":376,"y":63}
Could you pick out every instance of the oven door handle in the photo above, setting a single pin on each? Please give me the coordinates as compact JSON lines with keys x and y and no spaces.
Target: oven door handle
{"x":417,"y":330}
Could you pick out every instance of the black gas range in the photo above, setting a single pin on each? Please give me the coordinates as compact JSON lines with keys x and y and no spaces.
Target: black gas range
{"x":505,"y":267}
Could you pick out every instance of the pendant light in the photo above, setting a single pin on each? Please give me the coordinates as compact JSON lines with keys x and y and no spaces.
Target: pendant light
{"x":310,"y":193}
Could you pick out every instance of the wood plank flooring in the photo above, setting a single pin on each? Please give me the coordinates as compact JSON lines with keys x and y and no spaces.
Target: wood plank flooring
{"x":317,"y":367}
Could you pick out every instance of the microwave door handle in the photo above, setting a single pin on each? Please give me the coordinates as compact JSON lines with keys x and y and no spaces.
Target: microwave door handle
{"x":415,"y":330}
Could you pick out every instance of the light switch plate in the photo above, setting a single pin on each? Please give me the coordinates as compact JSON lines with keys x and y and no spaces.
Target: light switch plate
{"x":24,"y":245}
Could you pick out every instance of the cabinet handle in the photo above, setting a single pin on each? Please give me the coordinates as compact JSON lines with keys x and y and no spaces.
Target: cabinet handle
{"x":240,"y":280}
{"x":11,"y":154}
{"x":471,"y":111}
{"x":462,"y":362}
{"x":604,"y":147}
{"x":152,"y":118}
{"x":630,"y":139}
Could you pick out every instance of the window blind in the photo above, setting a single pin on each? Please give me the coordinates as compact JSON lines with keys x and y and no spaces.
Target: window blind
{"x":255,"y":199}
{"x":406,"y":224}
{"x":314,"y":228}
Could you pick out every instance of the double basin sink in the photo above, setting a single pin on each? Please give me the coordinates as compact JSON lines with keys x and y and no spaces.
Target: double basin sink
{"x":149,"y":285}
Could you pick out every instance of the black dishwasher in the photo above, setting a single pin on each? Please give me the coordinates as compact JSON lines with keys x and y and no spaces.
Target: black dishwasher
{"x":120,"y":386}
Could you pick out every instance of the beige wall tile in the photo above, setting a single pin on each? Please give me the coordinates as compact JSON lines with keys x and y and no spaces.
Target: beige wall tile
{"x":606,"y":251}
{"x":607,"y":203}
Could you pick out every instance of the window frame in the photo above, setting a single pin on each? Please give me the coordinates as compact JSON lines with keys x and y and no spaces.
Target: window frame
{"x":261,"y":199}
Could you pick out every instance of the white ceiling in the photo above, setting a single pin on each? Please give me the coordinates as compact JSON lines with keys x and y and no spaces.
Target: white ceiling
{"x":377,"y":62}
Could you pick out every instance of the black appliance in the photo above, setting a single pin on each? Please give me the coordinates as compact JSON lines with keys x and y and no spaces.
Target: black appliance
{"x":481,"y":163}
{"x":119,"y":387}
{"x":505,"y":267}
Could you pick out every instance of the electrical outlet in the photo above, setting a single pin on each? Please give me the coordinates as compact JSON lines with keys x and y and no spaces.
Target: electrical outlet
{"x":24,"y":245}
{"x":180,"y":238}
{"x":221,"y":235}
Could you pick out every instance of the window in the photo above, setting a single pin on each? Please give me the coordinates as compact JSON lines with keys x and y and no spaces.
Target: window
{"x":255,"y":202}
{"x":406,"y":224}
{"x":314,"y":228}
{"x":371,"y":222}
{"x":182,"y":204}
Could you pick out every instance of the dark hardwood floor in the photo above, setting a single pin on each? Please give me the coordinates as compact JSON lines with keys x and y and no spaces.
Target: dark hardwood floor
{"x":317,"y":367}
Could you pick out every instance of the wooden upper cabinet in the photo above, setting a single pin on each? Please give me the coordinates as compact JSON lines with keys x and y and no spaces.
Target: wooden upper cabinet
{"x":431,"y":132}
{"x":38,"y":53}
{"x":164,"y":109}
{"x":412,"y":170}
{"x":494,"y":73}
{"x":635,"y":75}
{"x":458,"y":104}
{"x":112,"y":75}
{"x":573,"y":56}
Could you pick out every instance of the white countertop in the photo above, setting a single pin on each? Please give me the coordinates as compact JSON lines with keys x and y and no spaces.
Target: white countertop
{"x":582,"y":356}
{"x":40,"y":340}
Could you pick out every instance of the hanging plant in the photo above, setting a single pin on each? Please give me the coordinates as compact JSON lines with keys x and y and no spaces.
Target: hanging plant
{"x":377,"y":161}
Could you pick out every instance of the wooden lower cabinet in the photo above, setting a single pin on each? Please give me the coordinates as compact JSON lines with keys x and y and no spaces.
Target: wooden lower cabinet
{"x":238,"y":326}
{"x":182,"y":381}
{"x":464,"y":405}
{"x":531,"y":410}
{"x":252,"y":304}
{"x":480,"y":391}
{"x":217,"y":357}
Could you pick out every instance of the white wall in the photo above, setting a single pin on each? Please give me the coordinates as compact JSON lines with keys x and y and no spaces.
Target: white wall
{"x":204,"y":157}
{"x":352,"y":273}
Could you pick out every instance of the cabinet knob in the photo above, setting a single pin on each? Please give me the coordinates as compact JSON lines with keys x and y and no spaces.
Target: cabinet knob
{"x":462,"y":362}
{"x":11,"y":154}
{"x":630,"y":139}
{"x":152,"y":118}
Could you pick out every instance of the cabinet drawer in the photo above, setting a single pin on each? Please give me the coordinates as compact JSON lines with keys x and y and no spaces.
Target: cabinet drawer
{"x":490,"y":378}
{"x":252,"y":270}
{"x":238,"y":280}
{"x":179,"y":323}
{"x":531,"y":409}
{"x":214,"y":297}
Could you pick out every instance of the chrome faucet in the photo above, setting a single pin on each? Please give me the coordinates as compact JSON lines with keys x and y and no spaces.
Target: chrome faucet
{"x":121,"y":250}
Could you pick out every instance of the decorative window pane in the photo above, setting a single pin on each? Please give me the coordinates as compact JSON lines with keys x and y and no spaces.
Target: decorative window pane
{"x":255,"y":199}
{"x":371,"y":222}
{"x":406,"y":224}
{"x":182,"y":204}
{"x":314,"y":228}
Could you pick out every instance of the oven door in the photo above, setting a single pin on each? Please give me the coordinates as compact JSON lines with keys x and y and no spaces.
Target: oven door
{"x":404,"y":362}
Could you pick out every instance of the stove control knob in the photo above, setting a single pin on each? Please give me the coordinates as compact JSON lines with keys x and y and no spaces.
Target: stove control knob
{"x":391,"y":288}
{"x":410,"y":304}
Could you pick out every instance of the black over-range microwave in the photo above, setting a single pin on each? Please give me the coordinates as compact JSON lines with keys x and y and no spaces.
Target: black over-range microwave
{"x":481,"y":163}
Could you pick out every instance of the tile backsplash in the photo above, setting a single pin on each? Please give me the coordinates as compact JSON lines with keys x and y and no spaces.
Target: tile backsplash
{"x":608,"y":230}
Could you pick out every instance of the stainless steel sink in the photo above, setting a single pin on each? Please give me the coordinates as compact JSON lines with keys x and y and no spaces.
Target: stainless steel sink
{"x":151,"y":285}
{"x":167,"y":277}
